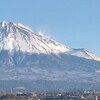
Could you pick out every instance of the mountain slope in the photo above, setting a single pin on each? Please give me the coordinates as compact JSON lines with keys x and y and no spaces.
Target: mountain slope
{"x":27,"y":56}
{"x":83,"y":53}
{"x":15,"y":36}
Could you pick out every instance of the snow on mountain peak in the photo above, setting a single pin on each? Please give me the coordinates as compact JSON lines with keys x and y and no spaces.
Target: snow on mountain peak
{"x":17,"y":37}
{"x":83,"y":53}
{"x":3,"y":23}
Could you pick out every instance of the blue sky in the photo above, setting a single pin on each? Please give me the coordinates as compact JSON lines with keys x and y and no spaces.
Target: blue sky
{"x":75,"y":23}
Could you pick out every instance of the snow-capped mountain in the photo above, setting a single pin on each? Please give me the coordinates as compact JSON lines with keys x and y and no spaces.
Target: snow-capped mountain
{"x":27,"y":59}
{"x":17,"y":37}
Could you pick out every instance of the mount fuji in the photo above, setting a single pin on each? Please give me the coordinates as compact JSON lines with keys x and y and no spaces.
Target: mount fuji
{"x":29,"y":59}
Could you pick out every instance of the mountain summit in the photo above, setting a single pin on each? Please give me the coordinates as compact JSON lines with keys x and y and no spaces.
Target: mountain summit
{"x":17,"y":37}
